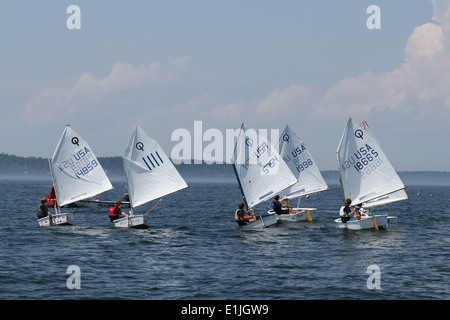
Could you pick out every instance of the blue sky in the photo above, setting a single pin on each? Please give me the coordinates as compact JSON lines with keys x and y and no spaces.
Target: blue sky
{"x":165,"y":64}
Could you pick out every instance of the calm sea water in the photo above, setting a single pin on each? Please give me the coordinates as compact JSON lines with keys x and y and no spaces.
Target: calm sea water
{"x":194,"y":250}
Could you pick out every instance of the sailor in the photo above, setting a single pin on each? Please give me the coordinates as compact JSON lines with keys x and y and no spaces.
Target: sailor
{"x":241,"y":216}
{"x":43,"y":212}
{"x":346,"y":212}
{"x":277,"y":206}
{"x":360,"y":211}
{"x":116,"y":211}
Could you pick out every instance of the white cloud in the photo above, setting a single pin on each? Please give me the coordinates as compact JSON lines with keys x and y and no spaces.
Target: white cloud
{"x":89,"y":91}
{"x":420,"y":86}
{"x":423,"y":77}
{"x":441,"y":12}
{"x":418,"y":90}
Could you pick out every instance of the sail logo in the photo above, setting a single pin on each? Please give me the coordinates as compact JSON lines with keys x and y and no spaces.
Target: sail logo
{"x":76,"y":141}
{"x":140,"y":146}
{"x":359,"y":134}
{"x":153,"y":161}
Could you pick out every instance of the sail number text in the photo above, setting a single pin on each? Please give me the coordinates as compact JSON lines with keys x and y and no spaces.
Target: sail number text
{"x":365,"y":161}
{"x":81,"y":163}
{"x":261,"y":155}
{"x":300,"y":158}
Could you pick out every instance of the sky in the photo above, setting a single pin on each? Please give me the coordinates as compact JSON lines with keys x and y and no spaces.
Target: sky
{"x":165,"y":64}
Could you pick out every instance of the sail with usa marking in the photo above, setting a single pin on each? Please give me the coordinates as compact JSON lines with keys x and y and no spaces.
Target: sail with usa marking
{"x":76,"y":171}
{"x":367,"y":176}
{"x":294,"y":152}
{"x":261,"y":172}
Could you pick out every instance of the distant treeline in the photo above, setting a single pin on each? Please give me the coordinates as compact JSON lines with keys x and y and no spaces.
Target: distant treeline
{"x":14,"y":166}
{"x":11,"y":165}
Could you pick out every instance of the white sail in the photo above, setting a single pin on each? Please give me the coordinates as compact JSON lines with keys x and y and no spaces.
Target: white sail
{"x":365,"y":171}
{"x":294,"y":152}
{"x":150,"y":173}
{"x":261,"y":171}
{"x":76,"y":172}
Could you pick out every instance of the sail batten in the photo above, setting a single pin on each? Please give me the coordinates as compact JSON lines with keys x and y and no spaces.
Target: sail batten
{"x":149,"y":172}
{"x":260,"y":170}
{"x":76,"y":171}
{"x":365,"y":172}
{"x":395,"y":196}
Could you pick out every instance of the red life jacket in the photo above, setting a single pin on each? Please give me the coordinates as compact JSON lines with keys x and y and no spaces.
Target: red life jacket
{"x":111,"y":212}
{"x":51,"y":199}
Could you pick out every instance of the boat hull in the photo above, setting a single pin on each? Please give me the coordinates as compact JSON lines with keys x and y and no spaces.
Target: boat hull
{"x":135,"y":221}
{"x":392,"y":220}
{"x":57,"y":219}
{"x":366,"y":222}
{"x":262,"y":222}
{"x":300,"y":214}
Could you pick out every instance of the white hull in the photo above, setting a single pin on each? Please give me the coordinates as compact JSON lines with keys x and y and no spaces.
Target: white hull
{"x":300,"y":214}
{"x":57,"y":219}
{"x":392,"y":220}
{"x":366,"y":222}
{"x":262,"y":222}
{"x":134,"y":221}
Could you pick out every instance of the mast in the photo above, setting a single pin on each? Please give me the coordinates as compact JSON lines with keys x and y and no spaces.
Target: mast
{"x":240,"y":186}
{"x":340,"y":174}
{"x":235,"y":171}
{"x":128,"y":188}
{"x":50,"y":219}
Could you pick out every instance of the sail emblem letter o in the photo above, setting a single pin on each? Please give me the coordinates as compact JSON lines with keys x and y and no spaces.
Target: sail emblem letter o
{"x":359,"y":134}
{"x":140,"y":146}
{"x":75,"y":140}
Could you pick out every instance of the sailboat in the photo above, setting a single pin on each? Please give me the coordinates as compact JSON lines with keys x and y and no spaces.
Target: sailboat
{"x":261,"y":173}
{"x":309,"y":179}
{"x":76,"y":175}
{"x":149,"y":174}
{"x":366,"y":175}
